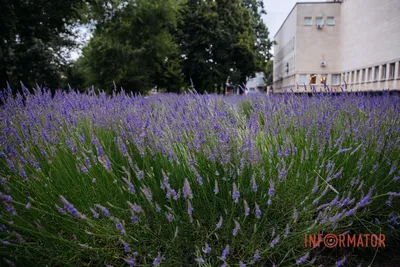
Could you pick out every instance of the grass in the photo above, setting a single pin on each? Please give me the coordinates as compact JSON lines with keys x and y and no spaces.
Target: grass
{"x":301,"y":165}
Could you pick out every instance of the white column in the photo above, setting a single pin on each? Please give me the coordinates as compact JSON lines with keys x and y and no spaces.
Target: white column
{"x":396,"y":83}
{"x":387,"y":76}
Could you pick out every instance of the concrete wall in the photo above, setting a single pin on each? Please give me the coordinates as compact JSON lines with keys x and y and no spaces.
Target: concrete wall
{"x":371,"y":35}
{"x":363,"y":46}
{"x":316,"y":45}
{"x":285,"y":52}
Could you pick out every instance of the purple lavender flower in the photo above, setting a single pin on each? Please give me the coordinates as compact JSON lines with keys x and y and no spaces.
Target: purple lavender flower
{"x":28,"y":205}
{"x":129,"y":184}
{"x":341,"y":262}
{"x":338,"y":174}
{"x":93,"y":180}
{"x":258,"y":211}
{"x":393,"y":168}
{"x":246,"y":208}
{"x":135,"y":208}
{"x":199,"y":260}
{"x":219,"y":224}
{"x":60,"y":210}
{"x":119,"y":226}
{"x":271,"y":190}
{"x":216,"y":190}
{"x":104,"y":210}
{"x":235,"y":193}
{"x":256,"y":255}
{"x":158,"y":259}
{"x":207,"y":249}
{"x":236,"y":229}
{"x":241,"y":264}
{"x":253,"y":180}
{"x":147,"y":193}
{"x":225,"y":253}
{"x":158,"y":208}
{"x":69,"y":207}
{"x":170,"y":217}
{"x":95,"y":214}
{"x":126,"y":246}
{"x":303,"y":259}
{"x":365,"y":200}
{"x":187,"y":191}
{"x":275,"y":242}
{"x":130,"y":261}
{"x":351,"y":212}
{"x":190,"y":208}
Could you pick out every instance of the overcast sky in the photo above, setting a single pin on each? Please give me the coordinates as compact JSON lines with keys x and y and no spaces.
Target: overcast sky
{"x":277,"y":11}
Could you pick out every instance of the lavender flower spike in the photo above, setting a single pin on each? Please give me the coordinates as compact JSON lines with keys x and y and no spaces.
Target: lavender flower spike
{"x":207,"y":250}
{"x":158,"y":259}
{"x":70,"y":208}
{"x":236,"y":229}
{"x":246,"y":208}
{"x":253,"y":180}
{"x":104,"y":210}
{"x":271,"y":190}
{"x":216,"y":190}
{"x":235,"y":193}
{"x":225,"y":253}
{"x":187,"y":191}
{"x":275,"y":242}
{"x":303,"y":259}
{"x":258,"y":211}
{"x":341,"y":262}
{"x":219,"y":224}
{"x":190,"y":208}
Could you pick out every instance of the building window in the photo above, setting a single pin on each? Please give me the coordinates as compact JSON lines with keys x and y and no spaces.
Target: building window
{"x":308,"y":21}
{"x":335,"y":79}
{"x":313,"y":78}
{"x":319,"y":21}
{"x":357,"y":76}
{"x":303,"y":79}
{"x":376,"y":73}
{"x":330,"y":21}
{"x":371,"y":75}
{"x":391,"y":70}
{"x":383,"y":74}
{"x":324,"y":78}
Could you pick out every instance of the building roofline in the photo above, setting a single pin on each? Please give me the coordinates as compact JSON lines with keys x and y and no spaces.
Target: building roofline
{"x":304,"y":3}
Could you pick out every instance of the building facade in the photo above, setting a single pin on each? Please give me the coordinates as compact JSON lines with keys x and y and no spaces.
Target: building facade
{"x":353,"y":42}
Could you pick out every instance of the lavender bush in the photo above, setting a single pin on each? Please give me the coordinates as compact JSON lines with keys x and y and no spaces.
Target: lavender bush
{"x":89,"y":179}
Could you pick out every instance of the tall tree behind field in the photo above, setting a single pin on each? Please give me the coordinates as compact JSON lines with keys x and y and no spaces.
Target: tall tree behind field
{"x":263,"y":44}
{"x":33,"y":35}
{"x":221,"y":41}
{"x":135,"y":48}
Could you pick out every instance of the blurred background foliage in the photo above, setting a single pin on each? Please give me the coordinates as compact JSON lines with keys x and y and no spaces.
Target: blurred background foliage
{"x":136,"y":44}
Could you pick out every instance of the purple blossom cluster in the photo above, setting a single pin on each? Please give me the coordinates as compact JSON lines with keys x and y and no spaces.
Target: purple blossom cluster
{"x":199,"y":156}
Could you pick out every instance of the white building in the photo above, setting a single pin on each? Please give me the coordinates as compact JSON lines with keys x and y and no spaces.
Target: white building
{"x":350,"y":41}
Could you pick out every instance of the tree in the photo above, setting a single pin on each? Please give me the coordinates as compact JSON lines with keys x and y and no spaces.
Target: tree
{"x":269,"y":72}
{"x":34,"y":36}
{"x":227,"y":44}
{"x":135,"y":49}
{"x":263,"y":44}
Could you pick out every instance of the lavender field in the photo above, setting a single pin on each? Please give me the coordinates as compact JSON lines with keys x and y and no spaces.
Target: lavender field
{"x":89,"y":179}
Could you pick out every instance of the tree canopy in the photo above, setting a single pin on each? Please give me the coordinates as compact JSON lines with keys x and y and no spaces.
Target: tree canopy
{"x":136,"y":44}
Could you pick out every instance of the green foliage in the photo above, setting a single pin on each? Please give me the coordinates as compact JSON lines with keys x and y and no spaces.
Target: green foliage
{"x":32,"y":35}
{"x":134,"y":48}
